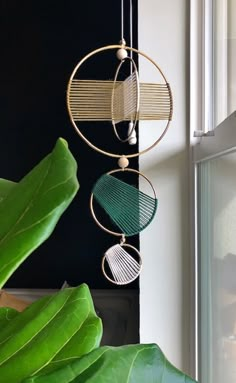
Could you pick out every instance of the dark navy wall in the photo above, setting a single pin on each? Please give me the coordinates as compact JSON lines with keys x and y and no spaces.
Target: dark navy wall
{"x":41,"y":42}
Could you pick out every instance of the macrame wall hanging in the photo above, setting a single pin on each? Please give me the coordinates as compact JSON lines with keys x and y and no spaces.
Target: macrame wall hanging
{"x":122,"y":102}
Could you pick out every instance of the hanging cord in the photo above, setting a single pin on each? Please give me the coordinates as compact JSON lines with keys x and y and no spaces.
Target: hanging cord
{"x":122,"y":41}
{"x":131,"y":31}
{"x":122,"y":55}
{"x":131,"y":130}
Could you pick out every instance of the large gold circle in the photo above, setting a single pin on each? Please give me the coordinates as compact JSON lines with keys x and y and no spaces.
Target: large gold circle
{"x":109,"y":47}
{"x":91,"y":199}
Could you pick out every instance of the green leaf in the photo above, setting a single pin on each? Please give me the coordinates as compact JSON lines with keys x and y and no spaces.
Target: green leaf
{"x":54,"y":329}
{"x":31,"y":209}
{"x":126,"y":364}
{"x":5,"y":188}
{"x":6,"y":314}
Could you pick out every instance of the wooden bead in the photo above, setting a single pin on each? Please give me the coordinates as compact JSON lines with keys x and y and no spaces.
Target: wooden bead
{"x":121,"y":54}
{"x":123,"y":162}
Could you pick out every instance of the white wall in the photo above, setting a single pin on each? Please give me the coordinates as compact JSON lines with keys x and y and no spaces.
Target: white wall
{"x":165,"y":279}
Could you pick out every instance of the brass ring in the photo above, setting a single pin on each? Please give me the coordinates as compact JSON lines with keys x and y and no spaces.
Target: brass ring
{"x":132,"y":279}
{"x":91,"y":199}
{"x":105,"y":48}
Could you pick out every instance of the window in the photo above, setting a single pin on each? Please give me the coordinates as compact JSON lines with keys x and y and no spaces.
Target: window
{"x":213,"y":63}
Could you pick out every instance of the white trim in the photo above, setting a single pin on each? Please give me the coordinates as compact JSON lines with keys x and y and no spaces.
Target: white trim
{"x":208,"y":69}
{"x":193,"y":269}
{"x":223,"y":141}
{"x":201,"y":68}
{"x":196,"y":112}
{"x":201,"y":123}
{"x":196,"y":276}
{"x":197,"y":129}
{"x":196,"y":75}
{"x":221,"y":58}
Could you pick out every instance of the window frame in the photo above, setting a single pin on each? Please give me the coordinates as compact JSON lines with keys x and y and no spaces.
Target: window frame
{"x":202,"y":126}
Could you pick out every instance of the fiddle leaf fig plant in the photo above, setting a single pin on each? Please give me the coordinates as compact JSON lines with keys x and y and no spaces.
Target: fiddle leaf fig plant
{"x":30,"y":209}
{"x":5,"y":188}
{"x":126,"y":364}
{"x":53,"y":329}
{"x":56,"y":339}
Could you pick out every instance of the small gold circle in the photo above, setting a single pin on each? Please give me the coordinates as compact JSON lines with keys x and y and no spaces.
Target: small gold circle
{"x":132,"y":279}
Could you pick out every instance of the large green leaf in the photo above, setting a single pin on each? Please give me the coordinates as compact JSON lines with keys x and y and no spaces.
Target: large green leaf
{"x":6,"y":314}
{"x":54,"y":329}
{"x":31,"y":209}
{"x":5,"y":188}
{"x":126,"y":364}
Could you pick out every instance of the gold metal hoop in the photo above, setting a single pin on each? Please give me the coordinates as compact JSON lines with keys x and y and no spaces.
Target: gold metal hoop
{"x":137,"y":102}
{"x":105,"y":48}
{"x":91,"y":199}
{"x":130,"y":280}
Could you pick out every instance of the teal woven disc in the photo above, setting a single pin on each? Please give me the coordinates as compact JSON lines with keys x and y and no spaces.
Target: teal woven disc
{"x":130,"y":209}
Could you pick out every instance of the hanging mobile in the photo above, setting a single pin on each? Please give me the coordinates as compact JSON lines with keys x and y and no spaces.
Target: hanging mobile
{"x":122,"y":102}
